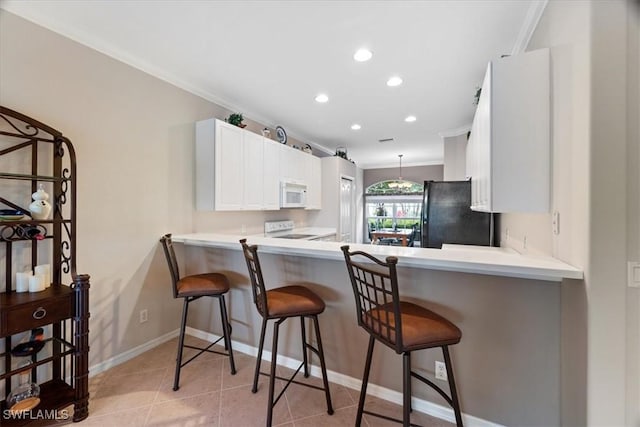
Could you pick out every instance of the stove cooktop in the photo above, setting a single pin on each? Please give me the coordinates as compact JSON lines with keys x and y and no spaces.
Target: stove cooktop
{"x":294,"y":236}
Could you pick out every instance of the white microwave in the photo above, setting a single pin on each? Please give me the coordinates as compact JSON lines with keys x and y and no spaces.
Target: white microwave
{"x":293,"y":194}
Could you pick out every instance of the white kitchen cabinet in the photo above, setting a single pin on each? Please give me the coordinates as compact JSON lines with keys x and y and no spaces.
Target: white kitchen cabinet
{"x":235,"y":169}
{"x":508,"y":155}
{"x":339,"y":195}
{"x":293,"y":163}
{"x":253,"y":177}
{"x":219,"y":166}
{"x":313,"y":169}
{"x":271,"y":181}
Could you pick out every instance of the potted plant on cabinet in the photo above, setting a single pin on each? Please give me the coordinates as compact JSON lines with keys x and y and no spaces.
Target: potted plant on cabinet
{"x":236,"y":120}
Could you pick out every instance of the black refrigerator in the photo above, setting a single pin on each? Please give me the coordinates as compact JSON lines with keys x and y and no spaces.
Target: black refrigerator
{"x":448,"y":218}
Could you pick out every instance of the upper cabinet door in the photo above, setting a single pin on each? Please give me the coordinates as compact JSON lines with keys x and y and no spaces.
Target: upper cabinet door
{"x":509,"y":148}
{"x":313,"y":170}
{"x":292,"y":163}
{"x":253,"y":171}
{"x":219,"y":166}
{"x":229,"y":194}
{"x":271,"y":181}
{"x":235,"y":169}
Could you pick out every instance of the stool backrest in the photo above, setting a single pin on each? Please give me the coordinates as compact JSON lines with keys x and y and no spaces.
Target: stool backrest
{"x":255,"y":274}
{"x":170,"y":254}
{"x":375,"y":287}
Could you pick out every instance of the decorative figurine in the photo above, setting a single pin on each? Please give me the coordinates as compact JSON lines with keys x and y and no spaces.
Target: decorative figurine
{"x":40,"y":208}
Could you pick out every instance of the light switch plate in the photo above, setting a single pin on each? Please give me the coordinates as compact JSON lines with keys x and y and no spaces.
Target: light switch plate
{"x":555,"y":222}
{"x":633,"y":274}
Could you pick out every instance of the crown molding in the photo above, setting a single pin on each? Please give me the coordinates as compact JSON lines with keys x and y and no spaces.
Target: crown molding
{"x":88,"y":40}
{"x":462,"y":130}
{"x":536,"y":9}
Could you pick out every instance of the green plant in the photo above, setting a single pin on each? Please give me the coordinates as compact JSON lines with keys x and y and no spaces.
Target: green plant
{"x":341,"y":153}
{"x":235,"y":119}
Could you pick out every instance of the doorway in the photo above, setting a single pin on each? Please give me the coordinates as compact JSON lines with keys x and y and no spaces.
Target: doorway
{"x":347,"y":208}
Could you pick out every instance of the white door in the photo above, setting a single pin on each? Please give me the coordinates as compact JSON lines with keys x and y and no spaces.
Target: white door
{"x":346,"y":210}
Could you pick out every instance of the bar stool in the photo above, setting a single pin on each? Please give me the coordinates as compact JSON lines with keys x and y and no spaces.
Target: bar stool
{"x":403,"y":326}
{"x":191,"y":288}
{"x":279,"y":304}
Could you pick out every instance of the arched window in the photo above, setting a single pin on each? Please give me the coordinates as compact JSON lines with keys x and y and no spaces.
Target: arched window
{"x":394,"y":187}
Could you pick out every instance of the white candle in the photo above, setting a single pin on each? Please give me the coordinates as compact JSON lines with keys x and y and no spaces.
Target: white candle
{"x":44,"y":270}
{"x":36,"y":283}
{"x":22,"y":281}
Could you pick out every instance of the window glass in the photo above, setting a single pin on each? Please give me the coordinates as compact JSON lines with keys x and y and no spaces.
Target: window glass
{"x":388,"y":207}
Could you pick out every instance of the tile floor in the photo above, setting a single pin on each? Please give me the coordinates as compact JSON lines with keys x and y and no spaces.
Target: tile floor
{"x":139,"y":393}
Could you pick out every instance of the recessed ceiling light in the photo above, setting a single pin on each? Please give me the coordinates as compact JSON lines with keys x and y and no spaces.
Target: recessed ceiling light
{"x":356,"y":126}
{"x":362,"y":55}
{"x":394,"y":81}
{"x":410,"y":119}
{"x":322,"y":98}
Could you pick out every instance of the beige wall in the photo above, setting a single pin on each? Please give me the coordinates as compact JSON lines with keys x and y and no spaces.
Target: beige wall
{"x":455,"y":157}
{"x":564,"y":28}
{"x":592,"y":146}
{"x":633,"y":213}
{"x":133,"y":136}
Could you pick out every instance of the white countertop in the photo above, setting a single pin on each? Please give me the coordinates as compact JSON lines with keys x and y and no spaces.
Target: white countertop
{"x":478,"y":260}
{"x":313,"y":232}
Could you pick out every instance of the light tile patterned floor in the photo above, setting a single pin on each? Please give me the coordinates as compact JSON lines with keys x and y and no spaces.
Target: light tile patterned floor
{"x":139,"y":393}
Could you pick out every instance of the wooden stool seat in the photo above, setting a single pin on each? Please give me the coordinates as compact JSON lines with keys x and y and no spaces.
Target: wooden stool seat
{"x":293,"y":300}
{"x":206,"y":284}
{"x":421,"y":328}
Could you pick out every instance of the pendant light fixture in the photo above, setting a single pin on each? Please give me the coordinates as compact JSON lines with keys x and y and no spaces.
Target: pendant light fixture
{"x":400,"y":184}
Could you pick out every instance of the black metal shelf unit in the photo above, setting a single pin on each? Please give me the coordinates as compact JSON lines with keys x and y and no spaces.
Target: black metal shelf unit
{"x":62,"y":308}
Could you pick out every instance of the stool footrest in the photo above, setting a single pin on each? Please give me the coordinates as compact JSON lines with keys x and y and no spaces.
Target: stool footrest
{"x":388,"y":418}
{"x":289,"y":381}
{"x":433,"y":386}
{"x":203,"y":350}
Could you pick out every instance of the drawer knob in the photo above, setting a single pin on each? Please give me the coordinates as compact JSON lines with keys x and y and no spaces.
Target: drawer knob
{"x":39,"y":313}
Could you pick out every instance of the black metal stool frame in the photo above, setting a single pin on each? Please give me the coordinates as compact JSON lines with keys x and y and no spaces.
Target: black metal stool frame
{"x":368,"y":296}
{"x":260,"y":299}
{"x":169,"y":252}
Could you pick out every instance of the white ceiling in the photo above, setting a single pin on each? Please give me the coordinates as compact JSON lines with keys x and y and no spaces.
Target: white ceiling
{"x":269,"y":59}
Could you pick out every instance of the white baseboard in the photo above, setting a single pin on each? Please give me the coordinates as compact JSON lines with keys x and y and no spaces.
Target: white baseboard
{"x":130,"y":354}
{"x":421,"y":405}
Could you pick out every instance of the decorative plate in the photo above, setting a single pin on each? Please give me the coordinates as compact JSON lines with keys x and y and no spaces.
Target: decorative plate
{"x":27,"y":348}
{"x":281,"y":134}
{"x":10,"y":215}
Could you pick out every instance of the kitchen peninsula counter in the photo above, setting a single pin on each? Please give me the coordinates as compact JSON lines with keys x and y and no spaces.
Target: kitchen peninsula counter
{"x":455,"y":258}
{"x":508,"y":306}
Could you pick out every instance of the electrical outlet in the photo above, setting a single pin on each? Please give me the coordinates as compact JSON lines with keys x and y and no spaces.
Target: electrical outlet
{"x":243,"y":229}
{"x":633,"y":274}
{"x":441,"y":371}
{"x":144,"y":315}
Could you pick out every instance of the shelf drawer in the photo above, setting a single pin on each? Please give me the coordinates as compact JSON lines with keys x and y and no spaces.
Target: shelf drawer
{"x":24,"y":317}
